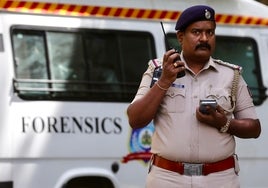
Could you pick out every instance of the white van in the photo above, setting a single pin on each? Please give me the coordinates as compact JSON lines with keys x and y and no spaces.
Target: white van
{"x":69,"y":69}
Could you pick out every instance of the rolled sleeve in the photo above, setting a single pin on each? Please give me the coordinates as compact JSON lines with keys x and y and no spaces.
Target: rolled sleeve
{"x":244,"y":104}
{"x":144,"y":85}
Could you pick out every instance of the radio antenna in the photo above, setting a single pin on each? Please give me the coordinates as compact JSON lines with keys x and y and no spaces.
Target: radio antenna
{"x":165,"y":36}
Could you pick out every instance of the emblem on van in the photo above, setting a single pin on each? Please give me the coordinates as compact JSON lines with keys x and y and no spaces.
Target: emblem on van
{"x":140,"y":144}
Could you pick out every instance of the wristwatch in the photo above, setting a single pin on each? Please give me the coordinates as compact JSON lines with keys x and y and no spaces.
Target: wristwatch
{"x":225,"y":128}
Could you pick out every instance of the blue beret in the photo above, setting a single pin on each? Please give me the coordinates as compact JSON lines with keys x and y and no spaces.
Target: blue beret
{"x":193,"y":14}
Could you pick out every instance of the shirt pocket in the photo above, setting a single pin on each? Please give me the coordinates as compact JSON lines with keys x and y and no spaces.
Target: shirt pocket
{"x":222,"y":96}
{"x":174,"y":100}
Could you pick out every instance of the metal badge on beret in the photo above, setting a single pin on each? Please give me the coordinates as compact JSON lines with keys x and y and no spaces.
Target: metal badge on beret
{"x":207,"y":14}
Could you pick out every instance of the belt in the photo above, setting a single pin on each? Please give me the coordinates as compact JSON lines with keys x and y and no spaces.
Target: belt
{"x":193,"y":169}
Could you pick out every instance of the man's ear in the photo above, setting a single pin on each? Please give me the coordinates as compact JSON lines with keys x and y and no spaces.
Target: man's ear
{"x":180,"y":37}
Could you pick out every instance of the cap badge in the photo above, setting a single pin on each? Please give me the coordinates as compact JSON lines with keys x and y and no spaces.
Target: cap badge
{"x":207,"y":14}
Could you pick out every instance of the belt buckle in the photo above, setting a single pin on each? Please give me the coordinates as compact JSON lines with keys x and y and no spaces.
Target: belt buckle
{"x":192,"y":169}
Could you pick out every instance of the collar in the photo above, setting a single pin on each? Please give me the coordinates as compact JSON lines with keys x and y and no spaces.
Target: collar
{"x":209,"y":64}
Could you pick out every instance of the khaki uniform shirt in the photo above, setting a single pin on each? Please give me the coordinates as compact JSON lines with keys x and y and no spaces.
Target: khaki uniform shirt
{"x":178,"y":135}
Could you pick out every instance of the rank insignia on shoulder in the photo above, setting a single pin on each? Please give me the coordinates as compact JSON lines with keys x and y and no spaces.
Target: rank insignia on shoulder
{"x":233,"y":66}
{"x":154,"y":63}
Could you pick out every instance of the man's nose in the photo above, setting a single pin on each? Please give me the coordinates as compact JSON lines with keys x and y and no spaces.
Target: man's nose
{"x":204,"y":36}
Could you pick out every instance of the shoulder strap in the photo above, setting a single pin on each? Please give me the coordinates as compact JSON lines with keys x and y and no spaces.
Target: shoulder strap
{"x":233,"y":66}
{"x":154,"y":63}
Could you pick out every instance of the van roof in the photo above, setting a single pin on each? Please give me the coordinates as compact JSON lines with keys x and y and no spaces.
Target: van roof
{"x":239,"y":7}
{"x":241,"y":12}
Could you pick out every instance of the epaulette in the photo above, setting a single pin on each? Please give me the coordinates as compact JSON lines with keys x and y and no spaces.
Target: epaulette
{"x":233,"y":66}
{"x":154,"y":63}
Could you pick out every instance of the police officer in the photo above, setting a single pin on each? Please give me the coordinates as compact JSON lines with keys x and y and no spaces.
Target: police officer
{"x":193,"y":147}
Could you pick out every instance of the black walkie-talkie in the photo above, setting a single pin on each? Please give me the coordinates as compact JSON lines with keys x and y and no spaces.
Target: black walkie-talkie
{"x":182,"y":73}
{"x":158,"y":70}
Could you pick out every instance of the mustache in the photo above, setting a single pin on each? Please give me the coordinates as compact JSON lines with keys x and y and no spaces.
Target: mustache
{"x":203,"y":45}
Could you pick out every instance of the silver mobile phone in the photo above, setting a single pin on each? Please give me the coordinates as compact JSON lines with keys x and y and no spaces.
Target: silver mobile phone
{"x":207,"y":102}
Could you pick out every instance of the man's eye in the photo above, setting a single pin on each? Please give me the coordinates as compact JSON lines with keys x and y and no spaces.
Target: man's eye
{"x":211,"y":33}
{"x":196,"y":32}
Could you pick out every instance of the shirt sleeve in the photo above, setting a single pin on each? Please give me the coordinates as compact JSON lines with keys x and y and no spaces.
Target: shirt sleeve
{"x":244,"y":103}
{"x":145,"y":83}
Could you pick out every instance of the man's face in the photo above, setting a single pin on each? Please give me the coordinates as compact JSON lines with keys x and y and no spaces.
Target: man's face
{"x":198,"y":40}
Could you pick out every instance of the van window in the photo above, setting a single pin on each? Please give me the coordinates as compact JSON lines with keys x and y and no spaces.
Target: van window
{"x":241,"y":51}
{"x":84,"y":64}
